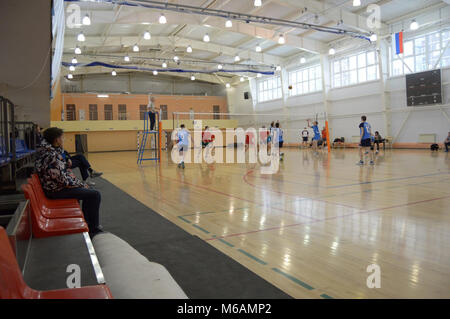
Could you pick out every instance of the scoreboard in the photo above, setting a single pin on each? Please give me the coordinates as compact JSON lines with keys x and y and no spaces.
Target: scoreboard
{"x":424,"y":88}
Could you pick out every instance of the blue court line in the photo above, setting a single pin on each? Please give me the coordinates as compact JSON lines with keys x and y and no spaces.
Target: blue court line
{"x":297,"y":281}
{"x":202,"y":229}
{"x":225,"y":242}
{"x":184,"y":219}
{"x":262,"y":262}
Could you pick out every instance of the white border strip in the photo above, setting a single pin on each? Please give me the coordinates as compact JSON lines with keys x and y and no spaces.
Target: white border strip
{"x":94,"y":259}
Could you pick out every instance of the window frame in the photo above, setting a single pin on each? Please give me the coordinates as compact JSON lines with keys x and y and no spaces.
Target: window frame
{"x":357,"y":74}
{"x":269,"y":89}
{"x":298,"y":86}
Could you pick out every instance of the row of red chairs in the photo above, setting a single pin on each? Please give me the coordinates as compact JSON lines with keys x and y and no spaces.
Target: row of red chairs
{"x":48,"y":218}
{"x":52,"y":217}
{"x":12,"y":285}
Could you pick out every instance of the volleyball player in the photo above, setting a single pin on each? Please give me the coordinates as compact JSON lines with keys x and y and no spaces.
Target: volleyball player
{"x":183,"y":143}
{"x":316,"y":137}
{"x":365,"y":132}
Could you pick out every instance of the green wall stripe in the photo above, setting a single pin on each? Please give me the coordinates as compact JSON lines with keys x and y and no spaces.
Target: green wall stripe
{"x":325,"y":296}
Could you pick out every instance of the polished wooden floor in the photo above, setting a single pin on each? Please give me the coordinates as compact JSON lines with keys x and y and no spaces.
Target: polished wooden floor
{"x":313,"y":228}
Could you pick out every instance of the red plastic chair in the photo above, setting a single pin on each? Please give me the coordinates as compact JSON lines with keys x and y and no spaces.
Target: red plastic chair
{"x":51,"y":203}
{"x":45,"y":227}
{"x":12,"y":285}
{"x":57,"y":212}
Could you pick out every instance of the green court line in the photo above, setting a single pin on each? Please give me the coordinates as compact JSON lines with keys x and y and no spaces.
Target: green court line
{"x":184,"y":219}
{"x":297,"y":281}
{"x":226,"y":243}
{"x":325,"y":296}
{"x":253,"y":257}
{"x":202,"y":229}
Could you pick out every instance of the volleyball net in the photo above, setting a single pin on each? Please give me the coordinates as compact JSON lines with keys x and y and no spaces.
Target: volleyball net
{"x":292,"y":125}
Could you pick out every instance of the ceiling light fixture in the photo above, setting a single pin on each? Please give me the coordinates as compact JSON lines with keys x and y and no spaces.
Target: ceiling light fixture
{"x":114,"y":73}
{"x":258,"y":3}
{"x":237,"y":58}
{"x":70,"y":76}
{"x":162,"y":19}
{"x":206,"y":38}
{"x":281,"y":39}
{"x":77,"y":50}
{"x":414,"y":25}
{"x":127,"y":58}
{"x":81,"y":37}
{"x":74,"y":61}
{"x":356,"y":3}
{"x":135,"y":48}
{"x":332,"y":51}
{"x":189,"y":49}
{"x":258,"y":48}
{"x":155,"y":72}
{"x":164,"y":65}
{"x":147,"y":35}
{"x":228,"y":24}
{"x":86,"y":20}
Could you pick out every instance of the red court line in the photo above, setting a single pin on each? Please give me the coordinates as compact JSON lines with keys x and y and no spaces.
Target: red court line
{"x":289,"y":194}
{"x":237,"y":197}
{"x":331,"y":218}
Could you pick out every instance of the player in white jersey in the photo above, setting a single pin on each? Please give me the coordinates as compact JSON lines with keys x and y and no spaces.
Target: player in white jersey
{"x":184,"y":138}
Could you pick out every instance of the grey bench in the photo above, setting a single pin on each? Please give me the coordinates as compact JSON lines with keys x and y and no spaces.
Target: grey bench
{"x":130,"y":275}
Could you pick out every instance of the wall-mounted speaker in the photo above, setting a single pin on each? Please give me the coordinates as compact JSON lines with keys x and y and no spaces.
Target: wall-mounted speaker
{"x":246,"y":96}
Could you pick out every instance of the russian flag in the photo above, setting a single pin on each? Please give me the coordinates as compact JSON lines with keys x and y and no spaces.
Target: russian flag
{"x":397,"y":43}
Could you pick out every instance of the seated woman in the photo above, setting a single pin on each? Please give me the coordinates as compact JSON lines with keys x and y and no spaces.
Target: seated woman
{"x":378,"y":139}
{"x":59,"y":183}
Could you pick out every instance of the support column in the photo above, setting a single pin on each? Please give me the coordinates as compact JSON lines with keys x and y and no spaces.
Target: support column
{"x":383,"y":69}
{"x":326,"y":85}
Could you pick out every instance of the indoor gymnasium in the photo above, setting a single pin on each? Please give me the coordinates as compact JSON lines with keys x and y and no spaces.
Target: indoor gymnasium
{"x":225,"y":149}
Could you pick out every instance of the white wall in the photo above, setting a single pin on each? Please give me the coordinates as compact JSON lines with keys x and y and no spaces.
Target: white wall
{"x":141,"y":84}
{"x":25,"y":57}
{"x":346,"y":105}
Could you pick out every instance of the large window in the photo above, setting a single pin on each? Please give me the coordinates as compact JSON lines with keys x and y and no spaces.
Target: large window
{"x":71,"y":112}
{"x":164,"y":115}
{"x":355,"y":69}
{"x":269,"y":89}
{"x":422,"y":53}
{"x":122,"y":112}
{"x":108,"y":110}
{"x":142,"y":111}
{"x":305,"y":80}
{"x":216,"y":111}
{"x":93,"y":114}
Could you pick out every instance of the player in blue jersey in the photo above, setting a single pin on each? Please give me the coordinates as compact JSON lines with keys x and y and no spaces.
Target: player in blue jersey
{"x":365,"y":132}
{"x":316,"y":137}
{"x":183,"y":143}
